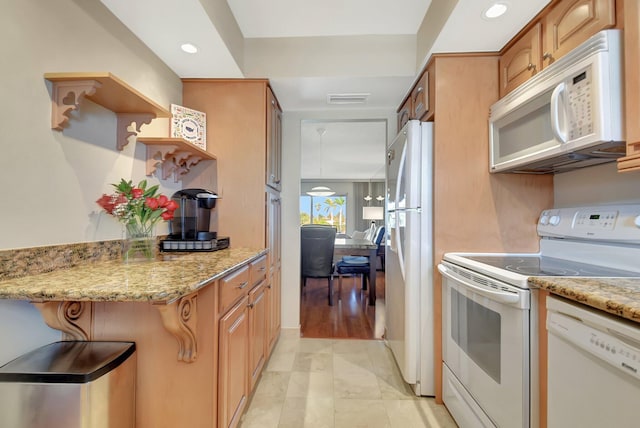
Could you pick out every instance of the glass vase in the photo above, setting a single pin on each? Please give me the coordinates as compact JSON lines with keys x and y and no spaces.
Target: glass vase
{"x":139,"y":243}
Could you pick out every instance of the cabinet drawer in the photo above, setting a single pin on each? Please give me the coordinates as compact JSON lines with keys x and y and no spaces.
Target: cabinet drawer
{"x":232,"y":287}
{"x":258,"y":270}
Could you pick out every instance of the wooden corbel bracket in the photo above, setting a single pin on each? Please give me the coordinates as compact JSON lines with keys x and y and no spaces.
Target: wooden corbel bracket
{"x":127,"y":120}
{"x":180,"y":319}
{"x":73,"y":319}
{"x":66,"y":96}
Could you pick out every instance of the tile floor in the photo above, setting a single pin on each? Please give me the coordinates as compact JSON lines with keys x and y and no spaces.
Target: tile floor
{"x":337,"y":383}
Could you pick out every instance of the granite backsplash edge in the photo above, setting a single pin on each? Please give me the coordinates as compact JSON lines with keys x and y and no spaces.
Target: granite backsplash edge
{"x":21,"y":262}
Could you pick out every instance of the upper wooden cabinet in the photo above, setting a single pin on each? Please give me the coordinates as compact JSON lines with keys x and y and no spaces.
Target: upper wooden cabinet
{"x":631,"y":162}
{"x":403,"y":113}
{"x":274,"y":142}
{"x":560,"y":27}
{"x":239,"y":131}
{"x":521,"y":61}
{"x":420,"y":97}
{"x":571,"y":22}
{"x":420,"y":102}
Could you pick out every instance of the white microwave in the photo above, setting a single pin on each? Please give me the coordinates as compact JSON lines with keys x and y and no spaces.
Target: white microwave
{"x":567,"y":116}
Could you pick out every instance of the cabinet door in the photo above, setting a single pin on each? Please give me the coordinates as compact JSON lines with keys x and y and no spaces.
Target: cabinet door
{"x":274,"y":241}
{"x":521,"y":61}
{"x":632,"y":85}
{"x":257,"y":332}
{"x":274,"y":141}
{"x":571,"y":22}
{"x":404,"y":113}
{"x":233,"y":365}
{"x":420,"y":97}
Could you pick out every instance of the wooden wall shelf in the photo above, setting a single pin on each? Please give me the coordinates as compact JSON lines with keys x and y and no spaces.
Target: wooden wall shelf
{"x":174,"y":156}
{"x":105,"y":89}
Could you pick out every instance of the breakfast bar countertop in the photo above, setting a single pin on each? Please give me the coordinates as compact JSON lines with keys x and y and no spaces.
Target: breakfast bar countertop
{"x":618,"y":296}
{"x":164,"y":280}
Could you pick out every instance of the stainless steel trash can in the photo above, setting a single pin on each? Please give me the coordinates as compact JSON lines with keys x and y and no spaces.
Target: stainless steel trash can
{"x":70,"y":385}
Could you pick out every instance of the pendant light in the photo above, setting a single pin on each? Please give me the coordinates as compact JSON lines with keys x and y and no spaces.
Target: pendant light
{"x":321,"y":190}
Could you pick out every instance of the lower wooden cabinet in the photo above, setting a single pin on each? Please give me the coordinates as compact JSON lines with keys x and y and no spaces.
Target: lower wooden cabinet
{"x":258,"y":334}
{"x":246,"y":335}
{"x":233,"y":363}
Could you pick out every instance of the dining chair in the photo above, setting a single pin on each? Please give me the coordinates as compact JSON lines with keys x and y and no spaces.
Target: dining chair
{"x":316,"y":249}
{"x":357,"y":265}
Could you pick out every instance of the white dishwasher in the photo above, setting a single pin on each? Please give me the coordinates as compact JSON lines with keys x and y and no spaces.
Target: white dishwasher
{"x":593,"y":367}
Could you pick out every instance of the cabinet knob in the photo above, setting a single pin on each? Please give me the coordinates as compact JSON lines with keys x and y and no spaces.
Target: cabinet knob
{"x":531,"y":67}
{"x":547,"y":56}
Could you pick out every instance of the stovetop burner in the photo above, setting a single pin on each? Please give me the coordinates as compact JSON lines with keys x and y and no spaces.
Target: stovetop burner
{"x":548,"y":266}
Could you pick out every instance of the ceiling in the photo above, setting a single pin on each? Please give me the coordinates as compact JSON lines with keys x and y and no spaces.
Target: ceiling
{"x":311,"y":49}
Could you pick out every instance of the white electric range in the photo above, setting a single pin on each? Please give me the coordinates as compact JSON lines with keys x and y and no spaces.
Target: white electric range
{"x":489,"y":315}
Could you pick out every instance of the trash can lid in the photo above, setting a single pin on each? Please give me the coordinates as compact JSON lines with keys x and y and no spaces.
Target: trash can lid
{"x":67,"y":362}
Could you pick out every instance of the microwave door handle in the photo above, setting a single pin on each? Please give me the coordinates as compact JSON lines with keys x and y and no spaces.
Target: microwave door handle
{"x":556,"y":95}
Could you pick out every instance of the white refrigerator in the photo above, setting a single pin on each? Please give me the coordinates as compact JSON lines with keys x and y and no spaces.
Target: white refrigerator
{"x":409,"y":255}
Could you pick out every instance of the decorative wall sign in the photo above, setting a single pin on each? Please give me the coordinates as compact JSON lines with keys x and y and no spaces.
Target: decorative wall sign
{"x":190,"y":125}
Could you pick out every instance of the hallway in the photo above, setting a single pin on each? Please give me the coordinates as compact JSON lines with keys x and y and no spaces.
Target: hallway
{"x":337,"y":383}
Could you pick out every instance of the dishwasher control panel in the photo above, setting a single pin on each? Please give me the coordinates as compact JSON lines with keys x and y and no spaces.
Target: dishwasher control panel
{"x":617,"y":345}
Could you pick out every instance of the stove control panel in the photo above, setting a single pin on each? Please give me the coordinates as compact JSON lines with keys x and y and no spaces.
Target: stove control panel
{"x":607,"y":223}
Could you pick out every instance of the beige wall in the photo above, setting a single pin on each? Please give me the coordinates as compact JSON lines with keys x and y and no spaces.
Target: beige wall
{"x":596,"y":185}
{"x":50,"y":180}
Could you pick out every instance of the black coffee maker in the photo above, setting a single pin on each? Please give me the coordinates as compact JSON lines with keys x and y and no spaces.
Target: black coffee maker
{"x":191,"y":219}
{"x":190,"y":228}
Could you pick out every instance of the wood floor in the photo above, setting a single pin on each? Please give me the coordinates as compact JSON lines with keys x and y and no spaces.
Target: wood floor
{"x":351,"y":317}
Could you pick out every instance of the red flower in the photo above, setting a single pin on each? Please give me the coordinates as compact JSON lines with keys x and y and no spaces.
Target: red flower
{"x":171,"y":206}
{"x":167,"y":215}
{"x":152,"y":203}
{"x":162,"y":201}
{"x":106,"y":202}
{"x":137,"y":192}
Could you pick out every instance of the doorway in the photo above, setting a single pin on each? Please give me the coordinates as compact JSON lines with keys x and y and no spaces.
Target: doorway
{"x":345,"y":159}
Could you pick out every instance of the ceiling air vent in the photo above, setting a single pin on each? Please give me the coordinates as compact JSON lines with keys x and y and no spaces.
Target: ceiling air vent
{"x":347,"y":98}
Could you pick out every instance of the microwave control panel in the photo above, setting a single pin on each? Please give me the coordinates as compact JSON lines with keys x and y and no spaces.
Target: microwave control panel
{"x":579,"y":93}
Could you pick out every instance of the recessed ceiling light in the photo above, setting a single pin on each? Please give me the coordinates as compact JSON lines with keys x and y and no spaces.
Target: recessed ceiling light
{"x":189,"y":48}
{"x":495,"y":10}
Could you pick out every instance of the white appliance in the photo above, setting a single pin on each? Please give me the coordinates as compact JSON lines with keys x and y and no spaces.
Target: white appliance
{"x":567,"y":116}
{"x":489,"y":312}
{"x":408,"y":258}
{"x":593,"y":366}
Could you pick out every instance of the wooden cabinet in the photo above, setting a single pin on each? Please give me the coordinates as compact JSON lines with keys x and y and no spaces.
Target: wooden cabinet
{"x":571,"y":22}
{"x":237,"y":132}
{"x":274,"y":226}
{"x":233,"y":363}
{"x":521,"y":61}
{"x":257,"y":332}
{"x":419,"y":104}
{"x":274,"y":142}
{"x":243,"y":338}
{"x":420,"y":97}
{"x":404,"y":113}
{"x":560,"y":27}
{"x":631,"y":162}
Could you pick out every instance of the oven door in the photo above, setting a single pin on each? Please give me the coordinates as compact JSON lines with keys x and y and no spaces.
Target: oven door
{"x":486,"y":348}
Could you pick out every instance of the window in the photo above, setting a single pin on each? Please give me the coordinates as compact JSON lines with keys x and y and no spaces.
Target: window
{"x":324,"y":210}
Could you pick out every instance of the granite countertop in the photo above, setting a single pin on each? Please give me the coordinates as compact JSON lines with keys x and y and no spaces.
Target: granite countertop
{"x":618,"y":296}
{"x":169,"y":277}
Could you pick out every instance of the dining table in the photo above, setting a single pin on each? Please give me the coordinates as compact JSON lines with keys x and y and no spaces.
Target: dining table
{"x":359,"y":247}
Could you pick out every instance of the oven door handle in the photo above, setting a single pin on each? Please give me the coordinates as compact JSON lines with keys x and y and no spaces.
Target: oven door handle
{"x":498,"y":296}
